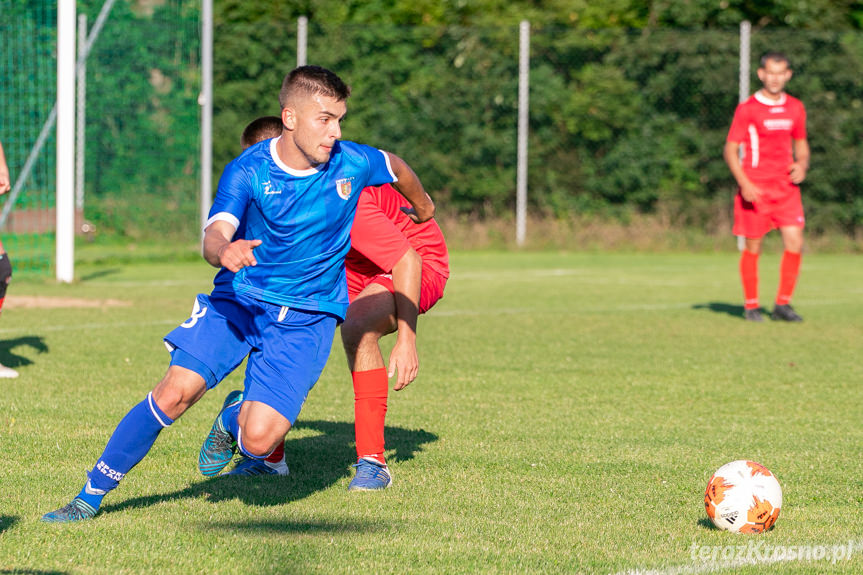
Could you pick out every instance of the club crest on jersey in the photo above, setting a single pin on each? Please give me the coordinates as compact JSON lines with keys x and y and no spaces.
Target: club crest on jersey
{"x":343,"y":187}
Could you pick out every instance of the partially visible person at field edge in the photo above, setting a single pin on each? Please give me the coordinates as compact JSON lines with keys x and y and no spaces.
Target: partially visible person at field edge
{"x":395,"y":269}
{"x":5,"y":264}
{"x":278,"y":295}
{"x":769,"y":129}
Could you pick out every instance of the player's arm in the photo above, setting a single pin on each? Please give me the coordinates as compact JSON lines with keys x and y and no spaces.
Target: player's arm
{"x":407,"y":276}
{"x":798,"y":169}
{"x":410,"y":186}
{"x":232,"y":200}
{"x":748,"y":190}
{"x":220,"y":251}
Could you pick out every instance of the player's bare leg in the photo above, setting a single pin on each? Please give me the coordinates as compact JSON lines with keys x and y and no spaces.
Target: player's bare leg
{"x":179,"y":390}
{"x":262,"y":428}
{"x":792,"y":239}
{"x":253,"y":428}
{"x":370,"y":316}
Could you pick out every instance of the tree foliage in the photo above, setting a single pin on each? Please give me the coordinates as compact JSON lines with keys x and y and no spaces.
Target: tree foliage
{"x":629,"y":101}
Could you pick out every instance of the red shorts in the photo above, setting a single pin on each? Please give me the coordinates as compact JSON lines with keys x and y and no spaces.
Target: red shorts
{"x":431,"y":286}
{"x":754,"y":220}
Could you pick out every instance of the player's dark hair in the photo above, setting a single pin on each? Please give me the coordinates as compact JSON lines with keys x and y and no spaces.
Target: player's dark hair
{"x":311,"y":80}
{"x":261,"y":129}
{"x":775,"y":57}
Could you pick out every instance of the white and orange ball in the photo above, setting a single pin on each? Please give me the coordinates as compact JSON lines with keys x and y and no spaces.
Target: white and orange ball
{"x":743,"y":497}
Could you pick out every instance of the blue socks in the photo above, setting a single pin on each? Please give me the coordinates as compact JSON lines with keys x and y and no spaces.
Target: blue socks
{"x":130,"y":442}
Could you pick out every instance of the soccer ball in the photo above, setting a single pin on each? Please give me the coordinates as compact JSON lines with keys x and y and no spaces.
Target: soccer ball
{"x":743,"y":497}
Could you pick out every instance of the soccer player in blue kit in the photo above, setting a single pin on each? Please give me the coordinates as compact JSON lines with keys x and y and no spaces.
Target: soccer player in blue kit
{"x":278,"y":295}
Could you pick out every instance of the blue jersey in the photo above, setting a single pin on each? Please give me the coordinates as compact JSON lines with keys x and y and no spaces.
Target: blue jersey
{"x":303,"y":219}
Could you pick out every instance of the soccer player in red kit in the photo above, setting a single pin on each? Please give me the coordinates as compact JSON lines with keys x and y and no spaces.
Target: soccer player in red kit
{"x":768,"y":154}
{"x":383,"y":239}
{"x":396,"y":269}
{"x":385,"y":244}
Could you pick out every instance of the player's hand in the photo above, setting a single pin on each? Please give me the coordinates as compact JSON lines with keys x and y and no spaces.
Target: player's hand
{"x":239,"y":254}
{"x":797,"y":172}
{"x":411,"y":213}
{"x":415,"y":216}
{"x":750,"y":192}
{"x":404,"y":362}
{"x":5,"y":185}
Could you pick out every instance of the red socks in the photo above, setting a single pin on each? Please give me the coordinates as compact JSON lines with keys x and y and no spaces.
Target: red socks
{"x":278,"y":454}
{"x":370,"y":410}
{"x":749,"y":277}
{"x":788,"y":271}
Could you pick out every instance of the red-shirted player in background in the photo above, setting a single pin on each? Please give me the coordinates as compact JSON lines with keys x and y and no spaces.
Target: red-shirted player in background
{"x":770,"y":129}
{"x":396,"y":269}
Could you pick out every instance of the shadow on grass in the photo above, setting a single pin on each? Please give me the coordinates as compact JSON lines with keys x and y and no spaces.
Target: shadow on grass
{"x":11,"y":359}
{"x":305,"y":527}
{"x":316,"y":463}
{"x":32,"y":572}
{"x":719,"y":307}
{"x":100,"y":274}
{"x":6,"y":523}
{"x":706,"y":523}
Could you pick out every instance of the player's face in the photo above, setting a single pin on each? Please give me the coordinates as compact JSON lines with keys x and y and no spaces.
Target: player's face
{"x":315,"y":125}
{"x":774,"y":75}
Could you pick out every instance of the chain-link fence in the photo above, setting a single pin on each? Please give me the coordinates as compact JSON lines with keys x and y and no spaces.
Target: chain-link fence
{"x":141,"y":128}
{"x":621,"y":121}
{"x":27,"y":94}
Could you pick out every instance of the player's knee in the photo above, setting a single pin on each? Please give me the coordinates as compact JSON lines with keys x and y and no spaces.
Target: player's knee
{"x":356,"y":335}
{"x":178,"y":390}
{"x":259,"y":439}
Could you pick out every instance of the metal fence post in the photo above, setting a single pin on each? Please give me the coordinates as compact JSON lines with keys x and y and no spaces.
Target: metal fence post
{"x":302,"y":40}
{"x":65,"y":203}
{"x":521,"y":169}
{"x":745,"y":30}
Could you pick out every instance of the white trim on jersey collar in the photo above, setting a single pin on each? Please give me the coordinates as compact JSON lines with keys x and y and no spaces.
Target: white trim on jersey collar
{"x":284,"y":166}
{"x":767,"y":101}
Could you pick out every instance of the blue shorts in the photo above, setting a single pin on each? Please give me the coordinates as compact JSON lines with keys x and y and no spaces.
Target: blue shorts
{"x":287,"y":348}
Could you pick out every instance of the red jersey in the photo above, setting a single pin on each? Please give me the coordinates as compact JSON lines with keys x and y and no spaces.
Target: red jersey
{"x":382,"y":234}
{"x":765,"y":129}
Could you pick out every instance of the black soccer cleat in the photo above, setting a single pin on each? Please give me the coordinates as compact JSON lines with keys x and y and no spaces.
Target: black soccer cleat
{"x":753,"y":314}
{"x":785,"y":313}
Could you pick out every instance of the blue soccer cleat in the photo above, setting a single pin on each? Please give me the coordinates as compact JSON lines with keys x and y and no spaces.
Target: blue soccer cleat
{"x":75,"y":510}
{"x":220,"y":445}
{"x":248,"y":466}
{"x":371,"y":476}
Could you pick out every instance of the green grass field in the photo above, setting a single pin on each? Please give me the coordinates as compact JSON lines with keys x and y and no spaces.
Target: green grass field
{"x":569,"y":411}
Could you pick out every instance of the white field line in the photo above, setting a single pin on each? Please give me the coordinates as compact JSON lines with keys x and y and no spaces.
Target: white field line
{"x":149,"y":283}
{"x":87,"y":326}
{"x":623,"y":307}
{"x":432,"y":313}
